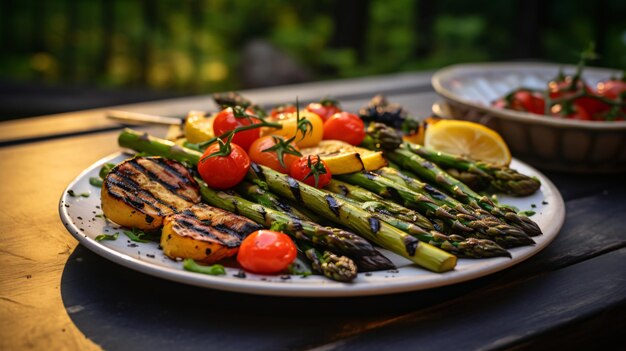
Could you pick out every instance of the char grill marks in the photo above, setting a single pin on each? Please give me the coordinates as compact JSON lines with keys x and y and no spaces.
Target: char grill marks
{"x":153,"y":185}
{"x":222,"y":221}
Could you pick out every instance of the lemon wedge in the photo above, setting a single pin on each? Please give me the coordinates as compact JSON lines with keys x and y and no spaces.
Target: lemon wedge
{"x":341,"y":157}
{"x":198,"y":128}
{"x":469,"y":139}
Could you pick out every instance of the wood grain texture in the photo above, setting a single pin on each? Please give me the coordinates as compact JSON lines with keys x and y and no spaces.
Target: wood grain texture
{"x":34,"y":245}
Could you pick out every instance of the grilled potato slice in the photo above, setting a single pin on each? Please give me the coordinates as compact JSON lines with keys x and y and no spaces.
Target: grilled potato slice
{"x":204,"y":233}
{"x":141,"y":191}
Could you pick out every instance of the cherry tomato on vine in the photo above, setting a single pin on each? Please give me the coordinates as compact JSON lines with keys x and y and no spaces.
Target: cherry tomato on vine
{"x":282,"y":109}
{"x":223,"y":172}
{"x":266,"y":252}
{"x":270,"y":158}
{"x":311,"y":170}
{"x":523,"y":100}
{"x":575,"y":112}
{"x":346,"y":127}
{"x":611,"y":88}
{"x":566,"y":88}
{"x":226,"y":121}
{"x":325,"y":108}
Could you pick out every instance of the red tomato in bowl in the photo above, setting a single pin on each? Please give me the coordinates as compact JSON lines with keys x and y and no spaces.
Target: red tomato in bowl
{"x":270,"y":158}
{"x":266,"y":252}
{"x":576,"y":112}
{"x":226,"y":121}
{"x":304,"y":169}
{"x":346,"y":127}
{"x":611,"y":88}
{"x":523,"y":100}
{"x":560,"y":89}
{"x":223,"y":172}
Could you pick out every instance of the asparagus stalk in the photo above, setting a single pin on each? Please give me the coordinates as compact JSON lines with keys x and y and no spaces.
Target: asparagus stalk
{"x":365,"y":263}
{"x":430,"y":172}
{"x":436,"y":195}
{"x":502,"y":179}
{"x":455,"y":244}
{"x":254,"y":193}
{"x":143,"y":142}
{"x":339,"y":268}
{"x":355,"y":218}
{"x":463,"y":223}
{"x":379,"y":204}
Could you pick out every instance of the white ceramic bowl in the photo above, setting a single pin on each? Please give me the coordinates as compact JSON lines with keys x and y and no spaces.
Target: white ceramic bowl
{"x":546,"y":142}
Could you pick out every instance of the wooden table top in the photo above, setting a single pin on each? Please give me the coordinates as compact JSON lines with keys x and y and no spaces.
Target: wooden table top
{"x":55,"y":294}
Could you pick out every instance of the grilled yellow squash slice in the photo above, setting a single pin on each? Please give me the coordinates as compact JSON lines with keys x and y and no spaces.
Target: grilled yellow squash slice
{"x":141,"y":191}
{"x":204,"y":233}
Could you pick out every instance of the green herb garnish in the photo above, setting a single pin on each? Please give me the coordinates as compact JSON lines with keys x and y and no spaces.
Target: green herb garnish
{"x":107,"y":237}
{"x":95,"y":181}
{"x":73,"y":194}
{"x":528,"y":213}
{"x":136,"y":235}
{"x":106,"y":168}
{"x":190,"y":265}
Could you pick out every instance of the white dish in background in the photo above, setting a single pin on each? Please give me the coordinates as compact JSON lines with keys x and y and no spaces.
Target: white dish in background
{"x":79,"y":217}
{"x":543,"y":141}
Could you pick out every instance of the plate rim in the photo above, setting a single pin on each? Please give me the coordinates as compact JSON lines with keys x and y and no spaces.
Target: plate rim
{"x":324,"y":288}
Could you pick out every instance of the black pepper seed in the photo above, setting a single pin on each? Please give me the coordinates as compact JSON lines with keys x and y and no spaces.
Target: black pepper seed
{"x":240,"y":274}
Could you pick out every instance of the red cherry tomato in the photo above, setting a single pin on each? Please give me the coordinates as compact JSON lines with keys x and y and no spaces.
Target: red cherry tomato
{"x":564,"y":88}
{"x":611,"y":88}
{"x":303,"y":170}
{"x":266,"y":252}
{"x":270,"y":158}
{"x":282,"y":109}
{"x":345,"y":126}
{"x":225,"y":121}
{"x":325,"y":108}
{"x":223,"y":172}
{"x":523,"y":100}
{"x":576,"y":112}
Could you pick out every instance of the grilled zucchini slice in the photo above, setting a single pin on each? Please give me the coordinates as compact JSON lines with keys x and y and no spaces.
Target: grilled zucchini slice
{"x":204,"y":233}
{"x":141,"y":191}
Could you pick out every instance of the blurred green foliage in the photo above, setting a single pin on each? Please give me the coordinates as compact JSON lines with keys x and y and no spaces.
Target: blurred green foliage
{"x":195,"y":46}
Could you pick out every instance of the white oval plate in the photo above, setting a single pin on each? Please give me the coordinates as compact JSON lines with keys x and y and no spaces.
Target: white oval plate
{"x":82,"y":217}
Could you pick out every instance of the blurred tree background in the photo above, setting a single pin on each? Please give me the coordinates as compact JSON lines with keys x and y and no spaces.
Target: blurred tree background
{"x":181,"y":47}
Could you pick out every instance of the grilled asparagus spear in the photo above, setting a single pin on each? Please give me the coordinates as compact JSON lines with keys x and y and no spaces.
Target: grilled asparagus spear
{"x":455,"y":244}
{"x":502,"y":179}
{"x":356,"y":219}
{"x":465,"y":224}
{"x":432,"y":173}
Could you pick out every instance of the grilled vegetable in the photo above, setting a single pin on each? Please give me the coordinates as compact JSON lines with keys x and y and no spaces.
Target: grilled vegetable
{"x":204,"y":233}
{"x":140,"y":192}
{"x":342,"y":157}
{"x":356,"y":219}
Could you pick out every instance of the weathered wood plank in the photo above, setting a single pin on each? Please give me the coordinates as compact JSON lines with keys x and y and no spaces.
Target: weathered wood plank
{"x":513,"y":315}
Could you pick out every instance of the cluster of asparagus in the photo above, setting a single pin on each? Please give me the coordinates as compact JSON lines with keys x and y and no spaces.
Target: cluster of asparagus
{"x":389,"y":207}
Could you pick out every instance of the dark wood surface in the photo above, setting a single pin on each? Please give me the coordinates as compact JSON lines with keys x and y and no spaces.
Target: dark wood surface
{"x":55,"y":294}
